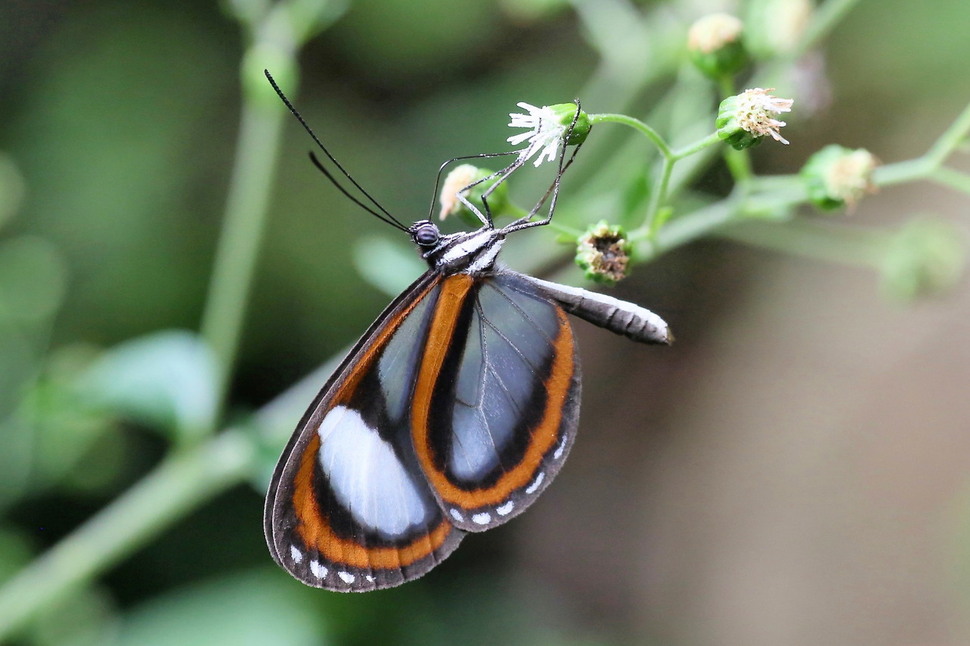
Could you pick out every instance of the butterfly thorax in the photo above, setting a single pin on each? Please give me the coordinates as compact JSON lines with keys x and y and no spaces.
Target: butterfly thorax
{"x":469,"y":252}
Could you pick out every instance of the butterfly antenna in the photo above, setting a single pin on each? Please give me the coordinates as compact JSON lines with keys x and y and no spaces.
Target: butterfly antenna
{"x":381,"y":213}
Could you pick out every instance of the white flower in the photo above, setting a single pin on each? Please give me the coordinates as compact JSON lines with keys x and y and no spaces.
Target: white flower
{"x":754,"y":113}
{"x":545,"y":132}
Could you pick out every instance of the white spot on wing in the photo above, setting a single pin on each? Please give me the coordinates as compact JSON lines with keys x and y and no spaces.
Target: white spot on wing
{"x":366,"y":476}
{"x":506,"y":509}
{"x":296,"y":554}
{"x":370,"y":579}
{"x":482,"y":519}
{"x":559,"y":449}
{"x":456,"y":515}
{"x":535,"y":483}
{"x":346,"y":577}
{"x":318,"y":570}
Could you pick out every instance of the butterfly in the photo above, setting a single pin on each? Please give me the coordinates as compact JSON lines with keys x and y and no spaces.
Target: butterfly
{"x":452,"y":413}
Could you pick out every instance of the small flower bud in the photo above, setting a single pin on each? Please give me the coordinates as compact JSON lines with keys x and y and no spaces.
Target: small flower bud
{"x":715,"y":47}
{"x":744,"y":119}
{"x":460,"y":178}
{"x":604,"y":252}
{"x":837,"y":176}
{"x":923,"y":258}
{"x":565,"y":113}
{"x":547,"y":126}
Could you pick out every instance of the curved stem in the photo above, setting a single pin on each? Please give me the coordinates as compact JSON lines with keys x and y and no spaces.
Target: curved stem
{"x":946,"y":143}
{"x":193,"y":474}
{"x":697,"y":146}
{"x":659,"y":196}
{"x":681,"y":230}
{"x":951,"y":178}
{"x":670,"y":157}
{"x":637,"y":125}
{"x":178,"y":485}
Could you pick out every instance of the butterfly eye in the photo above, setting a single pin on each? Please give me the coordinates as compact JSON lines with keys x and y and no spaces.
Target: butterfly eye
{"x":425,"y":233}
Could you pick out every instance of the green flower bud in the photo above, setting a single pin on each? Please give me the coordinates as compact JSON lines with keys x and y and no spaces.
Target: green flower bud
{"x":924,"y":257}
{"x":715,"y":46}
{"x":604,"y":253}
{"x":459,"y":179}
{"x":837,"y":176}
{"x":565,"y":113}
{"x":744,"y":119}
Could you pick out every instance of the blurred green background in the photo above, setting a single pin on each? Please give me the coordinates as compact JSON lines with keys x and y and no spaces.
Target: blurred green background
{"x":794,"y":470}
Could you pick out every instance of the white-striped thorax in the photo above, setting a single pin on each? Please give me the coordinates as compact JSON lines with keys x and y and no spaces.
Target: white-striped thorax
{"x":470,"y":252}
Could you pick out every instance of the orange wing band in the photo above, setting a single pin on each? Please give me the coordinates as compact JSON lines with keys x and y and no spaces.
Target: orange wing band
{"x":454,"y":291}
{"x":317,"y":533}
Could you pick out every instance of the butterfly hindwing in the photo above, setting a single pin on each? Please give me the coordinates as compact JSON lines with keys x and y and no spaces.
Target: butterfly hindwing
{"x":496,"y":402}
{"x":348,"y":508}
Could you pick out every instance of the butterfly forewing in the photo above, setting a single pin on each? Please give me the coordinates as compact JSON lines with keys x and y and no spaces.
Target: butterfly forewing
{"x":496,"y":403}
{"x":348,"y":507}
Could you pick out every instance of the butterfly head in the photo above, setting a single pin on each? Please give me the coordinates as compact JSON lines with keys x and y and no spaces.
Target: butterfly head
{"x":425,"y":234}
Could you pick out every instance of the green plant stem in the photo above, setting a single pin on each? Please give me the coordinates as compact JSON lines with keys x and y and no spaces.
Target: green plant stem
{"x":930,"y":165}
{"x":696,"y":147}
{"x":276,"y":34}
{"x":829,"y":242}
{"x":658,"y":198}
{"x":185,"y":480}
{"x":245,"y":220}
{"x":193,"y":474}
{"x":951,"y":138}
{"x":637,"y":125}
{"x":178,"y":485}
{"x":951,"y":178}
{"x":739,"y":165}
{"x":679,"y":231}
{"x":670,"y":157}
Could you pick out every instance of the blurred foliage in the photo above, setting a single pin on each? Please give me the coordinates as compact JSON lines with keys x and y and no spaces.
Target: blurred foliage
{"x":119,"y":123}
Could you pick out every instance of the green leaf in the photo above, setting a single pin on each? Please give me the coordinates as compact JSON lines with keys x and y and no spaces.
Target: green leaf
{"x":387,"y":265}
{"x":166,"y":380}
{"x":252,"y":609}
